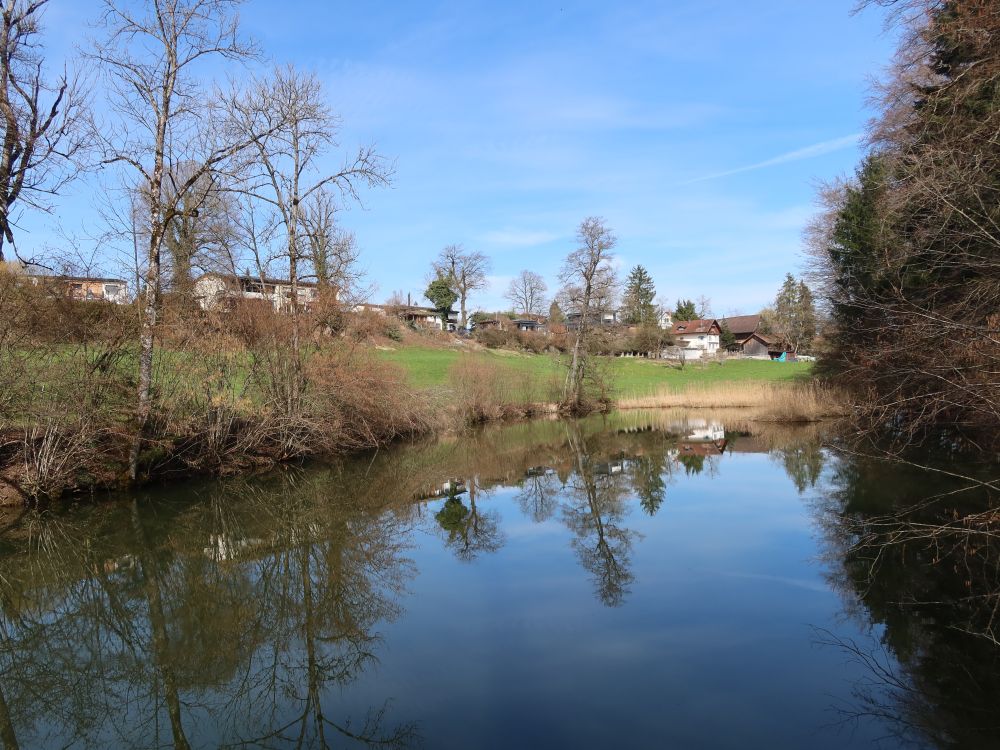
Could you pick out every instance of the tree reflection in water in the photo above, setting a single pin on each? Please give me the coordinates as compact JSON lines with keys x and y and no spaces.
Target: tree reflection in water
{"x":470,"y":531}
{"x":156,"y":637}
{"x":234,"y":617}
{"x":594,"y":510}
{"x":538,"y":494}
{"x":916,"y":557}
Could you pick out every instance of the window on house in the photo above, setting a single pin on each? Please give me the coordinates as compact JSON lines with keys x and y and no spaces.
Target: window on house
{"x":111,"y":290}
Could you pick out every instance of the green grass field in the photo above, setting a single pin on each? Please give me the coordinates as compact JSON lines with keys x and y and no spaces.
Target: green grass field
{"x":429,"y":367}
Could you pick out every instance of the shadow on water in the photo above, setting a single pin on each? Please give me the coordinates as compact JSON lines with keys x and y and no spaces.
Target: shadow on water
{"x":240,"y":613}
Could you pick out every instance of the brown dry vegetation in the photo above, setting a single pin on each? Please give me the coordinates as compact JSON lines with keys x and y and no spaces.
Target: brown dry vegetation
{"x":484,"y":390}
{"x":228,"y":392}
{"x":794,"y":402}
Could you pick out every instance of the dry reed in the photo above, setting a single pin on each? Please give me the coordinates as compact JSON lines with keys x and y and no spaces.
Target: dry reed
{"x":794,"y":402}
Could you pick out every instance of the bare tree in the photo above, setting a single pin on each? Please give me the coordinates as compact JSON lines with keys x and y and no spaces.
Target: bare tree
{"x":465,"y":272}
{"x":527,"y":293}
{"x":253,"y":238}
{"x":705,"y":307}
{"x":199,"y":226}
{"x":43,"y":123}
{"x":292,"y":128}
{"x":589,"y":284}
{"x":150,"y":58}
{"x":333,"y":251}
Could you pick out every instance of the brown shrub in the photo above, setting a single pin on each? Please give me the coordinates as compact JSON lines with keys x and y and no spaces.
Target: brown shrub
{"x":371,"y":326}
{"x":484,"y":390}
{"x":512,"y":339}
{"x":54,"y":455}
{"x":364,"y":402}
{"x":254,"y":321}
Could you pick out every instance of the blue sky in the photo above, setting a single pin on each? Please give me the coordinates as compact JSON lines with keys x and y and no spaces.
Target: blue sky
{"x":697,"y":129}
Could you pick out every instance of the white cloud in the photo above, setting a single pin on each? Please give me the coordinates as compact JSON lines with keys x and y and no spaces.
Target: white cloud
{"x":807,"y":152}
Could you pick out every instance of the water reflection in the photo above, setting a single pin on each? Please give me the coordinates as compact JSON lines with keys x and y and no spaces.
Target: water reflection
{"x":470,"y":531}
{"x":595,"y":511}
{"x":538,"y":493}
{"x":928,"y":585}
{"x":246,"y":613}
{"x":148,"y":635}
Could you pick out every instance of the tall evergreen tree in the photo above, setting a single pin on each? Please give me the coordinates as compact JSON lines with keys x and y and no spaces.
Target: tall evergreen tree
{"x":555,"y":314}
{"x":908,"y":250}
{"x":793,"y":316}
{"x":637,"y":301}
{"x":686,"y":310}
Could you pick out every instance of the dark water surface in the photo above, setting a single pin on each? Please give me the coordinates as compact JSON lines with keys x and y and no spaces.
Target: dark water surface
{"x":642,"y":580}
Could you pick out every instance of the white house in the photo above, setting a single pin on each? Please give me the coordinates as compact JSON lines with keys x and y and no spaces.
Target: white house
{"x":696,"y":338}
{"x":213,"y":289}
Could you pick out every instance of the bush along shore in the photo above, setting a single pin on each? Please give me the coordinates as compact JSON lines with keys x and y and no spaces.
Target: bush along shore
{"x":228,"y":393}
{"x":230,"y":396}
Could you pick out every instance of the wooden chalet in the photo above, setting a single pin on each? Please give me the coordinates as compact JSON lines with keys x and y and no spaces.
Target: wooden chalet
{"x":751,"y":341}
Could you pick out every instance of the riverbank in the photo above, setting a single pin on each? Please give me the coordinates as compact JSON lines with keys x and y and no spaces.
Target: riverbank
{"x":430,"y":367}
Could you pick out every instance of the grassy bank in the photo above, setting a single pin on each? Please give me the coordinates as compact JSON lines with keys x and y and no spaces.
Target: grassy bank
{"x":229,"y":395}
{"x":629,"y":377}
{"x":482,"y":386}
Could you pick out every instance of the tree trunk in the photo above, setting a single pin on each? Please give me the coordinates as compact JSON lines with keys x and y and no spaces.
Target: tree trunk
{"x":158,"y":628}
{"x":571,"y":393}
{"x":146,"y":333}
{"x":574,"y":380}
{"x":293,"y":272}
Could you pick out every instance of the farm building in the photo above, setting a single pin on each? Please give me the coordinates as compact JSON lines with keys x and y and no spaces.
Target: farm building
{"x":750,"y":340}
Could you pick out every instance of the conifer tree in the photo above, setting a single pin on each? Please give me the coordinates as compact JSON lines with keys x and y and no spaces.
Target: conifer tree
{"x":685,"y":310}
{"x":637,"y":302}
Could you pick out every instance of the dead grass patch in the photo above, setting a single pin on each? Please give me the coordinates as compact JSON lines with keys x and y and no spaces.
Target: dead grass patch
{"x":793,"y":402}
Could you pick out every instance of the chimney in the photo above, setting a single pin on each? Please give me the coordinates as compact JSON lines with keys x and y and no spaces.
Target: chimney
{"x":408,"y":304}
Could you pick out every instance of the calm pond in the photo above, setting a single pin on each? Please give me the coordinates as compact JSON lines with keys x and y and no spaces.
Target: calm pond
{"x":638,"y":580}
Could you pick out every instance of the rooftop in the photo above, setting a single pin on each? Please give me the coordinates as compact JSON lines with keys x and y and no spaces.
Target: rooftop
{"x":693,"y":326}
{"x":742,"y":324}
